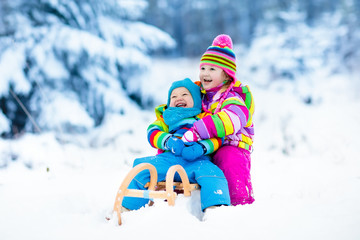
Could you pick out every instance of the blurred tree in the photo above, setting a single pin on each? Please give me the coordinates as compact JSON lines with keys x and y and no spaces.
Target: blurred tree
{"x":71,"y":62}
{"x":5,"y":28}
{"x":194,"y":23}
{"x":86,"y":48}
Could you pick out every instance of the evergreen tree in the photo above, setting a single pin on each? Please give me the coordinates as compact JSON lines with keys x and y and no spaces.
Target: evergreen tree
{"x":71,"y":62}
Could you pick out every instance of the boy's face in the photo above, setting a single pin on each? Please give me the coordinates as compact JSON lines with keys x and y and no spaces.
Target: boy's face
{"x":181,"y":97}
{"x":211,"y":76}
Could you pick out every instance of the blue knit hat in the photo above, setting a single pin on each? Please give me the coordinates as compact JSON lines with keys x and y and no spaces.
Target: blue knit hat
{"x":189,"y":85}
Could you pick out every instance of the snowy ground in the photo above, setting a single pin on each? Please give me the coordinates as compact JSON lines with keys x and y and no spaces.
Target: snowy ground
{"x":305,"y":170}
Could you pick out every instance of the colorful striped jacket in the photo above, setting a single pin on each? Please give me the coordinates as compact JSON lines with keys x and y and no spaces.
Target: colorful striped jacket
{"x":233,"y":121}
{"x":158,"y":132}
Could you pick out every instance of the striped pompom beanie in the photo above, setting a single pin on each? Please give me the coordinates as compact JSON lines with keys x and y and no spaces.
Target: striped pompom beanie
{"x":221,"y":54}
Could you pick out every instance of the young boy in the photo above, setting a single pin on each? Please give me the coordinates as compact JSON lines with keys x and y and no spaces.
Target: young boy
{"x":173,"y":120}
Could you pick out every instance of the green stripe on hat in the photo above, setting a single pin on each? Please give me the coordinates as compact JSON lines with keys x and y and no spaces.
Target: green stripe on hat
{"x":219,"y":59}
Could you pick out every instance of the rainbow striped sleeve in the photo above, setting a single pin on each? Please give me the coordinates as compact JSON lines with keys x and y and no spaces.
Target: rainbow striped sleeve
{"x":233,"y":116}
{"x":212,"y":144}
{"x":239,"y":109}
{"x":157,"y":134}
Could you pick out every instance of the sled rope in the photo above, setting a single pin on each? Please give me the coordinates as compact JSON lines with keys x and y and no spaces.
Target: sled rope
{"x":37,"y":128}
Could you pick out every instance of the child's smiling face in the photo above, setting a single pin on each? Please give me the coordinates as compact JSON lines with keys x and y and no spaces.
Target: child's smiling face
{"x":181,"y":97}
{"x":211,"y":76}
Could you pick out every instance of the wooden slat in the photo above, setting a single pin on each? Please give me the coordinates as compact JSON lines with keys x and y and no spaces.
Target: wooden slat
{"x":164,"y":190}
{"x":178,"y":186}
{"x":142,"y":193}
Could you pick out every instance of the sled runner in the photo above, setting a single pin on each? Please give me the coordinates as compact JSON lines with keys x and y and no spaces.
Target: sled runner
{"x":164,"y":190}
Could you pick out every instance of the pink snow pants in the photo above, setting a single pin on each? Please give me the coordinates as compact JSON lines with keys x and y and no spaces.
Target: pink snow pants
{"x":236,"y":163}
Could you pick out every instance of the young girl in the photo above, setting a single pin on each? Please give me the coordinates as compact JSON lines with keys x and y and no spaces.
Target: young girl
{"x":173,"y":119}
{"x":229,"y":109}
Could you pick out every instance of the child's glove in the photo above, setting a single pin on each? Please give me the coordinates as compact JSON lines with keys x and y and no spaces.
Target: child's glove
{"x":175,"y":145}
{"x":191,"y":136}
{"x":194,"y":151}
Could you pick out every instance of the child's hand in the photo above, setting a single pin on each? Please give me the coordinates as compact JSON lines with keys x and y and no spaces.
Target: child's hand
{"x":192,"y":152}
{"x":191,"y":136}
{"x":175,"y":145}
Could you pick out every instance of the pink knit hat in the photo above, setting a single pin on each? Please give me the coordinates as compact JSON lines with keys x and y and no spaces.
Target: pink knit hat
{"x":221,"y":54}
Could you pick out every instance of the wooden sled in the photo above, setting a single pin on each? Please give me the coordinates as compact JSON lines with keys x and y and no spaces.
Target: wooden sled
{"x":163,"y":190}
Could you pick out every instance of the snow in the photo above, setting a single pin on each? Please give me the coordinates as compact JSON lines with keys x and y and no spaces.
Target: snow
{"x":304,"y":169}
{"x":138,"y":35}
{"x":4,"y":123}
{"x":10,"y":71}
{"x":67,"y":110}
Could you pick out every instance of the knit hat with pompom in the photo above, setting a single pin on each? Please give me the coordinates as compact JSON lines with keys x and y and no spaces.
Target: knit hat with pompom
{"x":221,"y":54}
